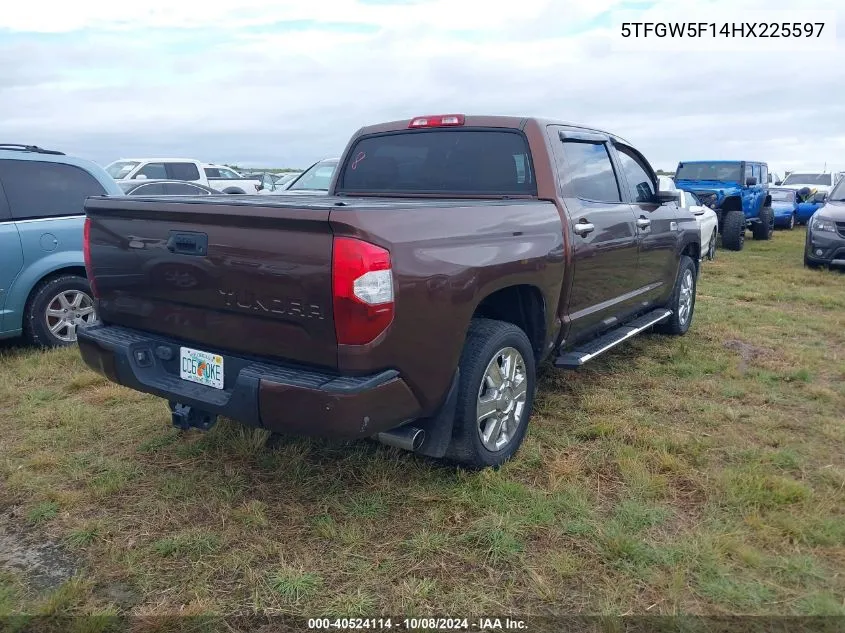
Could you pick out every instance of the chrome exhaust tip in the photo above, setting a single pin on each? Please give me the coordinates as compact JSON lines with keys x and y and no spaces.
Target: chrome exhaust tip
{"x":407,"y":438}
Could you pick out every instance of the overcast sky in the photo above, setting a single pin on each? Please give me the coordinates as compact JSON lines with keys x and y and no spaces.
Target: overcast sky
{"x":283,"y":83}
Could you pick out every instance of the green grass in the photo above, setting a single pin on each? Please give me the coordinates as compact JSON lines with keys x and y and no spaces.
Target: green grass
{"x":702,"y":474}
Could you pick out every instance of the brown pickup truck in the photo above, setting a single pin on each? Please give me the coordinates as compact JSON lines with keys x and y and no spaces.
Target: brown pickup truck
{"x":413,"y":303}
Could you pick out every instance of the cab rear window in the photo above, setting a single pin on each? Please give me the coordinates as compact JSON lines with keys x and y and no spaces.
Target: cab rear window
{"x":462,"y":162}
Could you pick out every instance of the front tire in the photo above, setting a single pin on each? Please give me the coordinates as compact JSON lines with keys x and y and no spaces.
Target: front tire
{"x":54,"y":310}
{"x":733,"y":231}
{"x":764,"y":229}
{"x":495,"y":395}
{"x":711,"y":250}
{"x":682,"y":302}
{"x":791,"y":224}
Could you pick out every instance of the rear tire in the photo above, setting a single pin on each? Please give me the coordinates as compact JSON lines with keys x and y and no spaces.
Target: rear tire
{"x":682,"y":303}
{"x":711,"y":250}
{"x":495,"y":395}
{"x":50,"y":319}
{"x":764,"y":229}
{"x":733,"y":231}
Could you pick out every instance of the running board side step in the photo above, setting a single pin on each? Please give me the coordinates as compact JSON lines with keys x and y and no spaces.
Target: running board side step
{"x":577,"y":357}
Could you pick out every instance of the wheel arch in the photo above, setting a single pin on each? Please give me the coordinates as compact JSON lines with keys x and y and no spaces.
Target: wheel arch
{"x":524,"y":306}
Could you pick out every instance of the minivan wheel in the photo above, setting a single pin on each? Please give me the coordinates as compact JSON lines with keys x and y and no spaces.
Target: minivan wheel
{"x":682,"y":303}
{"x":55,"y":309}
{"x":733,"y":231}
{"x":495,"y":394}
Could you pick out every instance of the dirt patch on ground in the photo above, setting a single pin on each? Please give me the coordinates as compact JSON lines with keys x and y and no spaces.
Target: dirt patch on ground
{"x":45,"y":563}
{"x":748,"y":352}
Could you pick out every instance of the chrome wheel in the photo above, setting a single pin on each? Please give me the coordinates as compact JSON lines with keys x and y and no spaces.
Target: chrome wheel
{"x":66,"y":311}
{"x":685,"y":297}
{"x":501,"y":399}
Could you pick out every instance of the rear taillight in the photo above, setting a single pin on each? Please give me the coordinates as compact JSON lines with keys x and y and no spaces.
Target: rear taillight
{"x":362,"y":287}
{"x":438,"y":120}
{"x":86,"y":255}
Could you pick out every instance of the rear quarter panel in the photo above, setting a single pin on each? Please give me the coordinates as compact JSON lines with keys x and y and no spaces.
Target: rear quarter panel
{"x":48,"y":246}
{"x":446,"y":260}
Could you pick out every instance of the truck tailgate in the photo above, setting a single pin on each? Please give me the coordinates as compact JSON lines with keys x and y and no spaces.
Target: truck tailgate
{"x":236,"y":277}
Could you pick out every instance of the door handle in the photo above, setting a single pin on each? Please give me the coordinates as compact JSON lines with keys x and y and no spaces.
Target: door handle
{"x":583,"y":227}
{"x":643,"y":223}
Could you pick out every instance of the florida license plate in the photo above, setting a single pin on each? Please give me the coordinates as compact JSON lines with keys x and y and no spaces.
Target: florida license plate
{"x":201,"y":367}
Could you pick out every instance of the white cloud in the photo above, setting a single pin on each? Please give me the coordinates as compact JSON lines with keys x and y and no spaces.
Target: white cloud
{"x":214,"y":80}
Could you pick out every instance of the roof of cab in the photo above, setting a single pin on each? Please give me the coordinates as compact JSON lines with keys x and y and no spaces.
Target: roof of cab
{"x":500,"y":121}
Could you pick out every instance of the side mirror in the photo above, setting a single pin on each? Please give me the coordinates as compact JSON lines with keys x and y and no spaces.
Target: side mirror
{"x":750,"y":182}
{"x":668,"y":196}
{"x":778,"y":183}
{"x":821,"y":196}
{"x":140,"y":177}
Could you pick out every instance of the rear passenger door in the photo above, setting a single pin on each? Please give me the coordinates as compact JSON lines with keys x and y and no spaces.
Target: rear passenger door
{"x":657,"y":240}
{"x":11,"y":256}
{"x":602,"y":233}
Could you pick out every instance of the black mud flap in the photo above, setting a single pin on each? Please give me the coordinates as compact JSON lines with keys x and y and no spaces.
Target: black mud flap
{"x":438,"y":429}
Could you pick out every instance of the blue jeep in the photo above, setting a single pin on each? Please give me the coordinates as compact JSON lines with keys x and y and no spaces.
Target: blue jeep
{"x":737,"y":191}
{"x":44,"y":293}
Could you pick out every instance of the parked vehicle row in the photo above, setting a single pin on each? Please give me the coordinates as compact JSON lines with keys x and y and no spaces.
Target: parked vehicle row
{"x":217,"y":177}
{"x":506,"y":240}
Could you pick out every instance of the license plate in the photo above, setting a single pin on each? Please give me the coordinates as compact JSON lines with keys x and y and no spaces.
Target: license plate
{"x":201,"y":367}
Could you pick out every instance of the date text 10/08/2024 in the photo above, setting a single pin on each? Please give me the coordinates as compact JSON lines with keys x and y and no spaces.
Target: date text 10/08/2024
{"x":725,"y":29}
{"x":412,"y":624}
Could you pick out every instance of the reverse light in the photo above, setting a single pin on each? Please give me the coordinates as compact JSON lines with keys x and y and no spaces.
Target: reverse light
{"x":86,"y":256}
{"x":438,"y":120}
{"x":362,"y":289}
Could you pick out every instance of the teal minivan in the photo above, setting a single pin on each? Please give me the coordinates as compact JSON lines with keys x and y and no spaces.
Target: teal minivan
{"x":44,"y":293}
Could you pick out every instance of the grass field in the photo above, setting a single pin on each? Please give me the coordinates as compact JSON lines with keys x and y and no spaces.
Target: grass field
{"x":701,"y":474}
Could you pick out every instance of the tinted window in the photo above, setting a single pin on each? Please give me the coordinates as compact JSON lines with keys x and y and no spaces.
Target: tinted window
{"x":721,"y":171}
{"x":483,"y":162}
{"x":640,"y":185}
{"x":35,"y":189}
{"x":185,"y":190}
{"x":748,"y":172}
{"x":211,"y":172}
{"x":183,"y":171}
{"x":152,"y":171}
{"x":152,"y":189}
{"x":590,"y":171}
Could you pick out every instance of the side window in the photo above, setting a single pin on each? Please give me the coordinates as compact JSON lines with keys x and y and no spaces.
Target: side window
{"x":212,"y":172}
{"x":152,"y":189}
{"x":185,"y":189}
{"x":36,"y":189}
{"x":748,"y":173}
{"x":183,"y":171}
{"x":755,"y":173}
{"x":590,"y":172}
{"x":764,"y":175}
{"x":228,"y":174}
{"x":152,"y":171}
{"x":640,"y":183}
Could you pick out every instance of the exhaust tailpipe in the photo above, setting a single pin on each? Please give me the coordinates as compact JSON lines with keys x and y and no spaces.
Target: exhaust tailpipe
{"x":407,"y":438}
